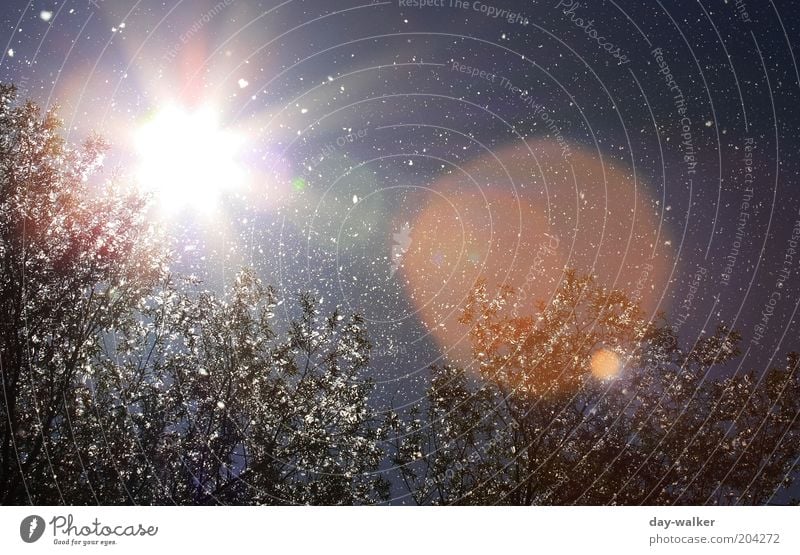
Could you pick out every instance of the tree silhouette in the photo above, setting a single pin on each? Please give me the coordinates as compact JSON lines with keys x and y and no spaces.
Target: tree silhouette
{"x":536,"y":422}
{"x":123,"y":384}
{"x":75,"y":258}
{"x":229,"y":410}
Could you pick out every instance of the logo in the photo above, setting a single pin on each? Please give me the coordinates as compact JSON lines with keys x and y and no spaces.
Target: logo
{"x":31,"y":528}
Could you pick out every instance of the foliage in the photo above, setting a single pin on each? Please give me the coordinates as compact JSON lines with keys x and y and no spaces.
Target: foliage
{"x":74,"y":260}
{"x":230,"y":411}
{"x":533,"y":425}
{"x":122,"y":384}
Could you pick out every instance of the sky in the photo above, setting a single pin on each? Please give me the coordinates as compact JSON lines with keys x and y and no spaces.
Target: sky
{"x":387,"y":155}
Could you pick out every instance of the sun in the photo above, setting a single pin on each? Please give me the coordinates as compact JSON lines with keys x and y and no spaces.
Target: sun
{"x":186,"y":159}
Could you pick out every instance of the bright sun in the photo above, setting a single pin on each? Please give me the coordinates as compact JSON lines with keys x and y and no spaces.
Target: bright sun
{"x":186,"y":159}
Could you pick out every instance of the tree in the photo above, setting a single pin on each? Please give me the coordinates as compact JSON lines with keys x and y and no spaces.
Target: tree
{"x":125,"y":384}
{"x":228,"y":410}
{"x":75,"y":258}
{"x":544,"y":420}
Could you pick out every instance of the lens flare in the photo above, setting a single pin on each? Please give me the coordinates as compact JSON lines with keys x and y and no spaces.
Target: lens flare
{"x":605,"y":364}
{"x":187,"y":159}
{"x":518,"y":220}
